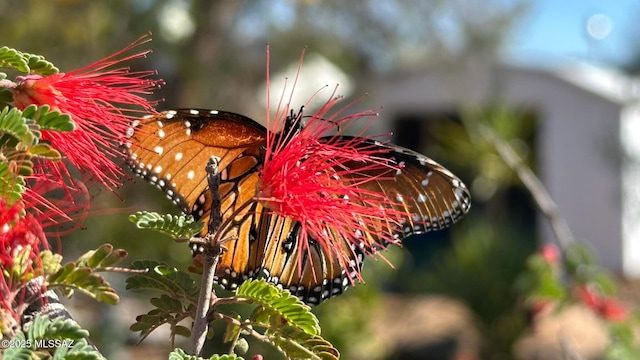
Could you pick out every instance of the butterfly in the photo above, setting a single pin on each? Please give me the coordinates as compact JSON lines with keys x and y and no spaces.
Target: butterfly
{"x":172,"y":149}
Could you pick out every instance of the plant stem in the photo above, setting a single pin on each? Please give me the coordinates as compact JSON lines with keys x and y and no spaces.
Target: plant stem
{"x":212,"y":251}
{"x":539,"y":193}
{"x":200,"y":324}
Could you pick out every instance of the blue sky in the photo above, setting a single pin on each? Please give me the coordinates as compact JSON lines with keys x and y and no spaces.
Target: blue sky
{"x":556,"y":30}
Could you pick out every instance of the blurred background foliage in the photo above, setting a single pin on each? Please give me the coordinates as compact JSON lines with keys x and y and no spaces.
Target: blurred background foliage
{"x":212,"y":55}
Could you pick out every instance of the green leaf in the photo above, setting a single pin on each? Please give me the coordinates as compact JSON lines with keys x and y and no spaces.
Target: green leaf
{"x":62,"y":337}
{"x":15,"y":123}
{"x":51,"y":262}
{"x":43,"y":328}
{"x":12,"y":186}
{"x":166,"y":303}
{"x":81,"y":350}
{"x":279,"y":302}
{"x":177,"y":302}
{"x":48,"y":119}
{"x":102,"y":257}
{"x":20,"y":161}
{"x":297,"y":344}
{"x":182,"y":331}
{"x":232,"y":331}
{"x":13,"y":59}
{"x":38,"y":64}
{"x":152,"y":320}
{"x":72,"y":277}
{"x":44,"y":151}
{"x":179,"y":227}
{"x":163,"y":278}
{"x":179,"y":354}
{"x":18,"y":353}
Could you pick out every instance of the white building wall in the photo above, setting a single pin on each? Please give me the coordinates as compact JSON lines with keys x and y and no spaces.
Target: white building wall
{"x":579,"y":155}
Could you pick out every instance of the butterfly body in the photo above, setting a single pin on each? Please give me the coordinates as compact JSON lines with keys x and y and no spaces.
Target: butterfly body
{"x":171,"y":151}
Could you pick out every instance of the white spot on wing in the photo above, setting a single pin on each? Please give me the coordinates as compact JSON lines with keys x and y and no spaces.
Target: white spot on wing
{"x":158,"y":150}
{"x":194,"y":112}
{"x":178,"y":156}
{"x":191,"y":174}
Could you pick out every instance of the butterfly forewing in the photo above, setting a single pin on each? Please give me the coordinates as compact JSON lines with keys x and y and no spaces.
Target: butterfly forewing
{"x":171,"y":151}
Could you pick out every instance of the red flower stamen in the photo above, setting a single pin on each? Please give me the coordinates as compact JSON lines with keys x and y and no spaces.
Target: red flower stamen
{"x":318,"y":178}
{"x":98,"y":100}
{"x":19,"y":232}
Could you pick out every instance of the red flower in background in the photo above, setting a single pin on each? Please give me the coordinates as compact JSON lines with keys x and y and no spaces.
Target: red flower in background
{"x":97,"y":97}
{"x":550,"y":253}
{"x":607,"y":307}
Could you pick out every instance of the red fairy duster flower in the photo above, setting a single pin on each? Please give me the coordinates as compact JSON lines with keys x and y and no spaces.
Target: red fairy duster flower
{"x":607,"y":307}
{"x":60,"y":207}
{"x":18,"y":233}
{"x":97,"y":97}
{"x":317,"y":177}
{"x":21,"y":239}
{"x":550,"y":253}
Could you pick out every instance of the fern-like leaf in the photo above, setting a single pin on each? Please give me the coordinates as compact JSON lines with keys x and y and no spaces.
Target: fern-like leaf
{"x":177,"y":303}
{"x":72,"y":277}
{"x":43,"y":328}
{"x":179,"y":354}
{"x":279,"y":302}
{"x":152,"y":320}
{"x":101,"y":258}
{"x":62,"y":337}
{"x":297,"y":344}
{"x":175,"y":283}
{"x":38,"y":64}
{"x":12,"y":186}
{"x":20,"y":160}
{"x":81,"y":350}
{"x":14,"y":123}
{"x":179,"y":227}
{"x":17,"y":352}
{"x":13,"y":59}
{"x":44,"y":151}
{"x":48,"y":119}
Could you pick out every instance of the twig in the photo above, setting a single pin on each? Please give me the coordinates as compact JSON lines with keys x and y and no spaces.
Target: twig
{"x":539,"y":193}
{"x":210,"y":260}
